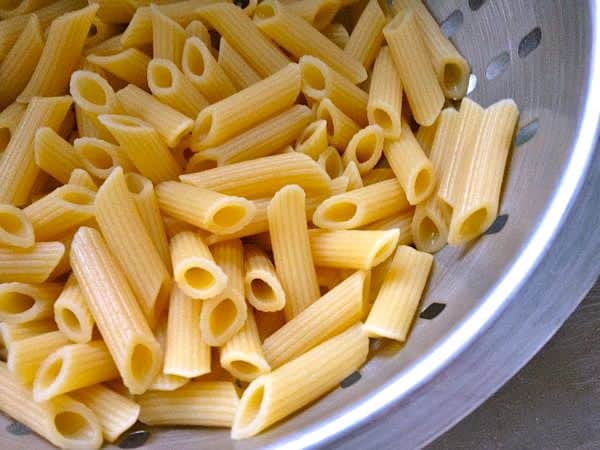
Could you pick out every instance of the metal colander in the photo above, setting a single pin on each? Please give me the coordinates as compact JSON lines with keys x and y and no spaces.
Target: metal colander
{"x":491,"y":305}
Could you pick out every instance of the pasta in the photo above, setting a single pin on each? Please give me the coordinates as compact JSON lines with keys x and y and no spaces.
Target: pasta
{"x":235,"y":66}
{"x":93,"y":94}
{"x":72,"y":315}
{"x":99,"y":32}
{"x":99,"y":157}
{"x":129,"y":65}
{"x":15,"y":228}
{"x":394,"y":309}
{"x":299,"y":38}
{"x":402,"y":222}
{"x":293,"y":259}
{"x":337,"y":33}
{"x":340,"y":127}
{"x":269,"y":398}
{"x":313,"y":140}
{"x":262,"y":286}
{"x":80,"y":177}
{"x":319,"y":13}
{"x":353,"y":174}
{"x":163,"y":381}
{"x":331,"y":162}
{"x":54,"y":155}
{"x":365,"y":148}
{"x":12,"y":332}
{"x":197,"y":29}
{"x":9,"y":120}
{"x":168,"y":37}
{"x":9,"y":9}
{"x":33,"y":265}
{"x":367,"y":35}
{"x":23,"y":302}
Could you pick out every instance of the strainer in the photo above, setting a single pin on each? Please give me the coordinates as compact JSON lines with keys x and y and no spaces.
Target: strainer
{"x":492,"y":305}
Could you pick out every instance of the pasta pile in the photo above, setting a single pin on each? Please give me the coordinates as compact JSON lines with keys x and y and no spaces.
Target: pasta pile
{"x":194,"y":193}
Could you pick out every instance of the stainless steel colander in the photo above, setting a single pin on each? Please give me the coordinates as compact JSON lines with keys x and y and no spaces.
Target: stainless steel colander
{"x":492,"y":305}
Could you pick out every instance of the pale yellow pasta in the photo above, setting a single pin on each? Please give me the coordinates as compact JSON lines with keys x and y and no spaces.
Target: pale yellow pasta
{"x":146,"y":202}
{"x":99,"y":157}
{"x":361,"y":206}
{"x":319,"y":13}
{"x":33,"y":265}
{"x":430,"y":225}
{"x":163,"y":381}
{"x":115,"y":309}
{"x":197,"y":29}
{"x":60,"y":55}
{"x":331,"y":162}
{"x":54,"y":155}
{"x":396,"y":304}
{"x":242,"y":356}
{"x":92,"y":93}
{"x":209,"y":210}
{"x":12,"y":332}
{"x":100,"y":31}
{"x":23,"y":302}
{"x":235,"y":66}
{"x":202,"y":69}
{"x":411,"y":166}
{"x":171,"y":86}
{"x":64,"y":266}
{"x":194,"y":268}
{"x":385,"y":96}
{"x":116,"y":413}
{"x":293,"y":259}
{"x":339,"y":185}
{"x":26,"y":355}
{"x":72,"y":367}
{"x":411,"y":58}
{"x":477,"y":205}
{"x":353,"y":174}
{"x":199,"y":403}
{"x":313,"y":140}
{"x":451,"y":68}
{"x":143,"y":146}
{"x":172,"y":125}
{"x":365,"y":148}
{"x":340,"y":127}
{"x":15,"y":228}
{"x":20,"y":62}
{"x":263,"y":288}
{"x":243,"y":35}
{"x":9,"y":121}
{"x":72,"y":314}
{"x":367,"y":35}
{"x":115,"y":11}
{"x":202,"y":160}
{"x":80,"y":177}
{"x":426,"y":135}
{"x":288,"y":388}
{"x":337,"y":33}
{"x":244,"y":109}
{"x":53,"y":420}
{"x":130,"y":243}
{"x":110,"y":46}
{"x":129,"y":65}
{"x":18,"y":170}
{"x":269,"y":174}
{"x":186,"y":354}
{"x":300,"y":38}
{"x":402,"y":222}
{"x":224,"y":315}
{"x":174,"y":226}
{"x":168,"y":37}
{"x":10,"y":9}
{"x":377,"y":175}
{"x":89,"y":126}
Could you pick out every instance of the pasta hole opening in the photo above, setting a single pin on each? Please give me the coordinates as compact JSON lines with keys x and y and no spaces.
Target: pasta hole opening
{"x":15,"y":303}
{"x":428,"y":231}
{"x":313,"y":77}
{"x":229,"y":216}
{"x":422,"y":182}
{"x":340,"y":212}
{"x":473,"y":224}
{"x":222,"y":317}
{"x":365,"y":149}
{"x":199,"y":278}
{"x":453,"y":79}
{"x":245,"y":368}
{"x":72,"y":425}
{"x":70,"y":320}
{"x":92,"y":91}
{"x":78,"y":198}
{"x":252,"y":405}
{"x":264,"y":11}
{"x":382,"y":118}
{"x":98,"y":157}
{"x":333,"y":166}
{"x":10,"y":223}
{"x":262,"y":290}
{"x":162,"y":76}
{"x":141,"y":362}
{"x":49,"y":375}
{"x":384,"y":251}
{"x":135,"y":183}
{"x":194,"y":61}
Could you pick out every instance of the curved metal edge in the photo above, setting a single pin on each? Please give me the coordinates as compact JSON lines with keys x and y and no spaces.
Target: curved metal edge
{"x":549,"y":237}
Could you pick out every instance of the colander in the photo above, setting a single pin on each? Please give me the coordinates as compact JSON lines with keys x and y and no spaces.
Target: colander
{"x":489,"y":306}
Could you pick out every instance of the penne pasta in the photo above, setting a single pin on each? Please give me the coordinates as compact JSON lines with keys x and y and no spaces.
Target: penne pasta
{"x":33,"y":265}
{"x":129,"y":65}
{"x":398,"y":299}
{"x":110,"y":46}
{"x":314,"y":140}
{"x":170,"y":86}
{"x":197,"y":29}
{"x":340,"y":127}
{"x":430,"y":225}
{"x":99,"y":157}
{"x":9,"y":121}
{"x":269,"y":398}
{"x":352,"y":173}
{"x":115,"y":11}
{"x":365,"y":148}
{"x":377,"y":175}
{"x":319,"y":13}
{"x":299,"y":38}
{"x":426,"y":135}
{"x":80,"y":177}
{"x":11,"y":9}
{"x":93,"y":94}
{"x":367,"y":36}
{"x":204,"y":72}
{"x":23,"y":302}
{"x":54,"y":155}
{"x":72,"y":314}
{"x":262,"y":286}
{"x":293,"y":259}
{"x":163,"y":381}
{"x":15,"y":228}
{"x":336,"y":33}
{"x":100,"y":31}
{"x":331,"y":162}
{"x":235,"y":66}
{"x":12,"y":332}
{"x":203,"y":160}
{"x":402,"y":222}
{"x":168,"y":37}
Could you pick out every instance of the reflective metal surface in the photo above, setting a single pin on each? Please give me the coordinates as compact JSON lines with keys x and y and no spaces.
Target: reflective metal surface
{"x":507,"y":293}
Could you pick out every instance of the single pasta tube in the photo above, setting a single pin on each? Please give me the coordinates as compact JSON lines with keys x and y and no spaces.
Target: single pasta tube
{"x":367,"y":35}
{"x":204,"y":72}
{"x":199,"y":403}
{"x":334,"y":312}
{"x":394,"y":309}
{"x":12,"y":332}
{"x":100,"y":157}
{"x":186,"y":354}
{"x":235,"y":66}
{"x":64,"y":44}
{"x":269,"y":398}
{"x":361,"y":206}
{"x":353,"y":174}
{"x":197,"y":29}
{"x":385,"y":96}
{"x":143,"y":146}
{"x":402,"y":222}
{"x":170,"y":86}
{"x":410,"y":165}
{"x":331,"y":162}
{"x":293,"y":259}
{"x":54,"y":155}
{"x":80,"y":177}
{"x":244,"y":37}
{"x":238,"y":112}
{"x":224,"y":315}
{"x":340,"y":127}
{"x":73,"y":367}
{"x":168,"y":37}
{"x":313,"y":140}
{"x":300,"y":38}
{"x":33,"y":265}
{"x":15,"y":228}
{"x":72,"y":314}
{"x":115,"y":309}
{"x":92,"y":93}
{"x":365,"y":148}
{"x":336,"y":33}
{"x":430,"y":225}
{"x":352,"y":249}
{"x":164,"y":381}
{"x":116,"y":413}
{"x":22,"y":302}
{"x":172,"y":125}
{"x":194,"y":268}
{"x":209,"y":210}
{"x":269,"y":174}
{"x":129,"y":65}
{"x":319,"y":13}
{"x":262,"y":286}
{"x":242,"y":356}
{"x":64,"y":421}
{"x":411,"y":58}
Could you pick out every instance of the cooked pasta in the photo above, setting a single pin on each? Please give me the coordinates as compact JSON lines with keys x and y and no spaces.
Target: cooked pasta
{"x":71,"y":313}
{"x":385,"y":96}
{"x":10,"y":9}
{"x":80,"y":177}
{"x":331,"y":162}
{"x":163,"y":381}
{"x":9,"y":120}
{"x":12,"y":332}
{"x":197,"y":29}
